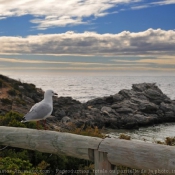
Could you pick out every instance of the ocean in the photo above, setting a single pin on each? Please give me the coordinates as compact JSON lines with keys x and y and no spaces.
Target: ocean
{"x":86,"y":87}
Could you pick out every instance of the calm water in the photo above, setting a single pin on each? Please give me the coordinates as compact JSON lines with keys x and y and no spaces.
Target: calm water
{"x":148,"y":134}
{"x":84,"y":88}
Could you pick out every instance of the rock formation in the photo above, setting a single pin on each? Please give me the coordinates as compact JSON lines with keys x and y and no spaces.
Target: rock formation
{"x":143,"y":105}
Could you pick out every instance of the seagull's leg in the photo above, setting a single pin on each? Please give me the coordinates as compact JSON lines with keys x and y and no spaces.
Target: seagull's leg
{"x":45,"y":125}
{"x":37,"y":124}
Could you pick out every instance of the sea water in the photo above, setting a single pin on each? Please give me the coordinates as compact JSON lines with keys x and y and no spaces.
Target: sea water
{"x":86,"y":87}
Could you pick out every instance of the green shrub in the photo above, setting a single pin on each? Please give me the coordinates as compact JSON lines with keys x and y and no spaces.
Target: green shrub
{"x":16,"y":85}
{"x":160,"y":142}
{"x":12,"y":92}
{"x":86,"y":131}
{"x":6,"y":101}
{"x":14,"y":164}
{"x":170,"y":141}
{"x":14,"y":119}
{"x":125,"y":137}
{"x":29,"y":87}
{"x":1,"y":83}
{"x":20,"y":101}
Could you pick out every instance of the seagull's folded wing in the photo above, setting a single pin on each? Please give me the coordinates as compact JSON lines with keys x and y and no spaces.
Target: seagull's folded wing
{"x":41,"y":111}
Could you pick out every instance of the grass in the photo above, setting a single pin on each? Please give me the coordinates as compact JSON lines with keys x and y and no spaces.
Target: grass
{"x":6,"y":101}
{"x":20,"y":101}
{"x":12,"y":92}
{"x":86,"y":131}
{"x":125,"y":137}
{"x":170,"y":141}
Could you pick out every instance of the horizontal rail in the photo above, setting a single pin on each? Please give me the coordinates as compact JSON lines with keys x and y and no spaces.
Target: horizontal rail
{"x":49,"y":141}
{"x":105,"y":152}
{"x":139,"y":155}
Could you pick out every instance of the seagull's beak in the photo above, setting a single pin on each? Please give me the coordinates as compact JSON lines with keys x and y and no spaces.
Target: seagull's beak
{"x":55,"y":94}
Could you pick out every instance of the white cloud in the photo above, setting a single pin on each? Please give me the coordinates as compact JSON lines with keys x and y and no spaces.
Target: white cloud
{"x":51,"y":13}
{"x":54,"y":13}
{"x":152,"y":4}
{"x":149,"y":42}
{"x":139,"y":7}
{"x":164,"y":2}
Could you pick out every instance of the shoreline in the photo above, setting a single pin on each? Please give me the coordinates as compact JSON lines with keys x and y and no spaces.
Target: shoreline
{"x":143,"y":105}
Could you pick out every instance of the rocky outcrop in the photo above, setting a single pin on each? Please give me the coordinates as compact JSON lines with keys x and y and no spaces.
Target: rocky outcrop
{"x":17,"y":96}
{"x":143,"y":105}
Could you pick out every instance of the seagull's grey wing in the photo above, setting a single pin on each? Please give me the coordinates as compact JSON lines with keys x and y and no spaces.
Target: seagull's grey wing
{"x":34,"y":106}
{"x":39,"y":112}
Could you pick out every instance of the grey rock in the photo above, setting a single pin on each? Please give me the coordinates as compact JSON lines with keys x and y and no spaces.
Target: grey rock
{"x":66,"y":119}
{"x":126,"y":93}
{"x":117,"y":98}
{"x":106,"y":109}
{"x":60,"y":113}
{"x":142,"y":86}
{"x":167,"y":107}
{"x":96,"y":101}
{"x":21,"y":87}
{"x":169,"y":115}
{"x":109,"y":99}
{"x":148,"y":107}
{"x":95,"y":110}
{"x":124,"y":110}
{"x":116,"y":106}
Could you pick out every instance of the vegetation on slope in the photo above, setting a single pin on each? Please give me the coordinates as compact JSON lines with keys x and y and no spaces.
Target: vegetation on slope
{"x":16,"y":160}
{"x":19,"y":159}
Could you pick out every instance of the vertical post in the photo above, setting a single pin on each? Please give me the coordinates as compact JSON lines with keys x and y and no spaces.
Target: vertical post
{"x":102,"y":165}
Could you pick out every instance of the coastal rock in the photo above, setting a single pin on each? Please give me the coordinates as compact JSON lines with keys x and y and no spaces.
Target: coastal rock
{"x":60,"y":113}
{"x":148,"y":107}
{"x":106,"y":109}
{"x":124,"y":110}
{"x":66,"y":119}
{"x":117,"y":98}
{"x":144,"y":104}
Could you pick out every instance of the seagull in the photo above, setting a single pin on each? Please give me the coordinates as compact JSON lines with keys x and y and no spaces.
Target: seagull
{"x":41,"y":110}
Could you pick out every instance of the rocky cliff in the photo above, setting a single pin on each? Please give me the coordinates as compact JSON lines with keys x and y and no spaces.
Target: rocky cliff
{"x":143,"y":105}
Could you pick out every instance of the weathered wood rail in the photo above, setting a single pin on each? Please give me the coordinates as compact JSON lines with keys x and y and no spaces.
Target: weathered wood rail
{"x":106,"y":153}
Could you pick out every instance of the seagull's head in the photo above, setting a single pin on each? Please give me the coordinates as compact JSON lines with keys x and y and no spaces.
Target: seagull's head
{"x":50,"y":93}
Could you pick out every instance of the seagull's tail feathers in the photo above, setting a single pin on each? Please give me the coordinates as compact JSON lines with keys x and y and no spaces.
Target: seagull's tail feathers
{"x":23,"y":121}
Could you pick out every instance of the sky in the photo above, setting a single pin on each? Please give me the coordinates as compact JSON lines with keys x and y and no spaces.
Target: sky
{"x":100,"y":36}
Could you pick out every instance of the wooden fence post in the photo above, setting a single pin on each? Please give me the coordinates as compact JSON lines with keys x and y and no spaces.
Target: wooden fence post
{"x":102,"y":165}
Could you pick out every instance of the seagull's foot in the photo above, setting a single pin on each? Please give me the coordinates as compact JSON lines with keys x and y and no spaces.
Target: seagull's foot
{"x":38,"y":125}
{"x":45,"y":126}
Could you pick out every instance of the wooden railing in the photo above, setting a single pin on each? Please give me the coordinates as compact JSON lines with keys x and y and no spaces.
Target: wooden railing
{"x":106,"y":153}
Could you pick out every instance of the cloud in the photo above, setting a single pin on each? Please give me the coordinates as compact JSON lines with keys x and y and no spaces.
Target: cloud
{"x":164,"y":2}
{"x":161,"y":60}
{"x":149,"y":42}
{"x":100,"y":68}
{"x":28,"y":63}
{"x":140,"y":7}
{"x":152,"y":4}
{"x":54,"y":13}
